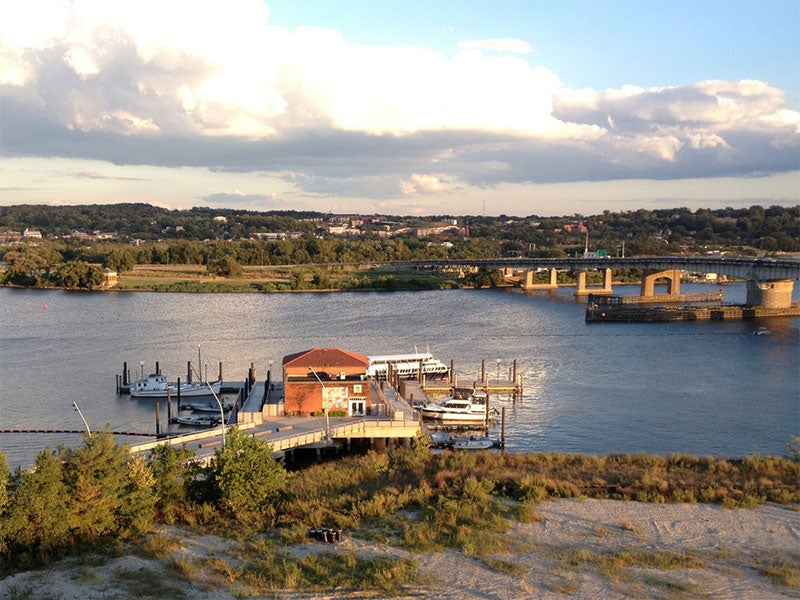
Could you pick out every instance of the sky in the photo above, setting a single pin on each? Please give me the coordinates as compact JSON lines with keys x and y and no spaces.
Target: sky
{"x":435,"y":107}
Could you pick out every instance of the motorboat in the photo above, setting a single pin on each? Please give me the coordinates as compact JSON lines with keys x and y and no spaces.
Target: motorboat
{"x":208,"y":407}
{"x":762,"y":331}
{"x":471,"y":443}
{"x":198,"y":421}
{"x":156,"y":385}
{"x":473,"y":408}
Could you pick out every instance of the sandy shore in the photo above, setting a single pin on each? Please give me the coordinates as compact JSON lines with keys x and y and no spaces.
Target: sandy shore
{"x":576,"y":551}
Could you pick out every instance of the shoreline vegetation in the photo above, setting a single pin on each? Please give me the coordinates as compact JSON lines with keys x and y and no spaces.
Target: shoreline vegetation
{"x":310,"y":278}
{"x":239,"y":528}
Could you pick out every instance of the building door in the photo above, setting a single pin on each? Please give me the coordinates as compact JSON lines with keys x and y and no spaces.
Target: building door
{"x":357,"y":407}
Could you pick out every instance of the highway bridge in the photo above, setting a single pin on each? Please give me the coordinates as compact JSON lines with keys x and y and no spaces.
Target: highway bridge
{"x":770,"y":281}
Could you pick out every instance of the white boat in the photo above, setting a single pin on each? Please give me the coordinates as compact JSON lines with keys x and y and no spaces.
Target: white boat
{"x":471,"y":443}
{"x":157,"y":386}
{"x":762,"y":331}
{"x":204,"y":421}
{"x":454,"y":408}
{"x":406,"y":365}
{"x":209,"y":407}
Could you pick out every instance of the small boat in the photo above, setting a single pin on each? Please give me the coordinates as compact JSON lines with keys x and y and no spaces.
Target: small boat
{"x":454,"y":408}
{"x":471,"y":443}
{"x":762,"y":331}
{"x":157,"y":386}
{"x":203,"y":421}
{"x":209,"y":407}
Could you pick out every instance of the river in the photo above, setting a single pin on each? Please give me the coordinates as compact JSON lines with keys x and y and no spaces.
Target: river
{"x":701,"y":388}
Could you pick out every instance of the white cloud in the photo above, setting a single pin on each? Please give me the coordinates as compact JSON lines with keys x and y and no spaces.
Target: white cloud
{"x":216,"y":86}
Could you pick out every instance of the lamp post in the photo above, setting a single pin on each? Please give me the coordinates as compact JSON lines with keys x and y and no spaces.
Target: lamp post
{"x":324,"y":405}
{"x":88,"y":431}
{"x":498,"y":371}
{"x":221,"y":412}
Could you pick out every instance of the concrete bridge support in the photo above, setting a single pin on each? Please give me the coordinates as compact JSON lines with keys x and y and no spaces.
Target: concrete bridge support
{"x":673,"y":277}
{"x":776,"y":293}
{"x":582,"y":290}
{"x":528,"y":283}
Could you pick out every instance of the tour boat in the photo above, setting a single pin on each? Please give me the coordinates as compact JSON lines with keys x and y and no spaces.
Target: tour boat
{"x":157,"y":386}
{"x":406,"y":365}
{"x":762,"y":331}
{"x":472,"y":408}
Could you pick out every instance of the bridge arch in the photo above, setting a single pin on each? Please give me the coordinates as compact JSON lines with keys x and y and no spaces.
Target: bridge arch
{"x":651,"y":276}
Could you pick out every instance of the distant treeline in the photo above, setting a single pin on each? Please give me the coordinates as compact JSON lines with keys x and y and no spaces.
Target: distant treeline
{"x":773,"y":229}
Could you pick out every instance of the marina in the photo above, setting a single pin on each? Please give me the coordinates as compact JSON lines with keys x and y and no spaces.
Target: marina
{"x":580,"y":385}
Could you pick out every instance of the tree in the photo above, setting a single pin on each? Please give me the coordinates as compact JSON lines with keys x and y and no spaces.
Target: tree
{"x":244,"y":474}
{"x":36,"y":523}
{"x":78,"y":274}
{"x":227,"y":266}
{"x":95,"y":476}
{"x":120,"y":259}
{"x":173,"y":472}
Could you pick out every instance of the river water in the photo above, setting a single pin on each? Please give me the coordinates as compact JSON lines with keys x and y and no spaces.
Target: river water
{"x":701,"y":388}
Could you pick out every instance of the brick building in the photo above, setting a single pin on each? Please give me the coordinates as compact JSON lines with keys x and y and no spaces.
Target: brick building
{"x":326,"y":378}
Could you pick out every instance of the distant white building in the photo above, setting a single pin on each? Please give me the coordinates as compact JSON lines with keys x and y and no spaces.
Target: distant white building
{"x":32,"y":233}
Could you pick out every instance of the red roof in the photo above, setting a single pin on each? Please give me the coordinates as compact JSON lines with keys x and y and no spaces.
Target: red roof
{"x":326,"y":357}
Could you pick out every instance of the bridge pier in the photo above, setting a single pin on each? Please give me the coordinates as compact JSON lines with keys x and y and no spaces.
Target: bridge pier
{"x":528,"y":283}
{"x":582,"y":290}
{"x":772,"y":293}
{"x":649,"y":278}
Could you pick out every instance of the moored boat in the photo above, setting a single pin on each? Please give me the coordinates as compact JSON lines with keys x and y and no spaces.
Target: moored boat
{"x":198,"y":421}
{"x":471,"y":408}
{"x":471,"y":443}
{"x":209,"y":407}
{"x":157,"y":386}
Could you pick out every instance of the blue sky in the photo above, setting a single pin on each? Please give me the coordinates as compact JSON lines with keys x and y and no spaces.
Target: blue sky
{"x":597,"y":44}
{"x":443,"y":107}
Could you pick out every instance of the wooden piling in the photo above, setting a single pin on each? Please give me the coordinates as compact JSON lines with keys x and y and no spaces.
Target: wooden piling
{"x":220,"y":371}
{"x":483,"y":371}
{"x":179,"y":393}
{"x":158,"y":369}
{"x":125,"y":374}
{"x":503,"y":427}
{"x":158,"y":418}
{"x":169,"y":406}
{"x":189,"y":372}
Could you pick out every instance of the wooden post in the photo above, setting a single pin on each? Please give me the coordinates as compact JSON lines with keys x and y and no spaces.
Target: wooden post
{"x":483,"y":371}
{"x":179,"y":393}
{"x":189,"y":372}
{"x":158,"y":420}
{"x":125,"y":374}
{"x":452,"y":372}
{"x":514,"y":371}
{"x":220,"y":371}
{"x":158,"y":369}
{"x":169,"y":406}
{"x":503,"y":427}
{"x":486,"y":413}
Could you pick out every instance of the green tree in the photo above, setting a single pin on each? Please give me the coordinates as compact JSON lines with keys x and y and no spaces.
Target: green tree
{"x":36,"y":523}
{"x":120,"y":259}
{"x":96,"y":477}
{"x":173,"y":472}
{"x":226,"y":266}
{"x":78,"y":274}
{"x":244,"y":474}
